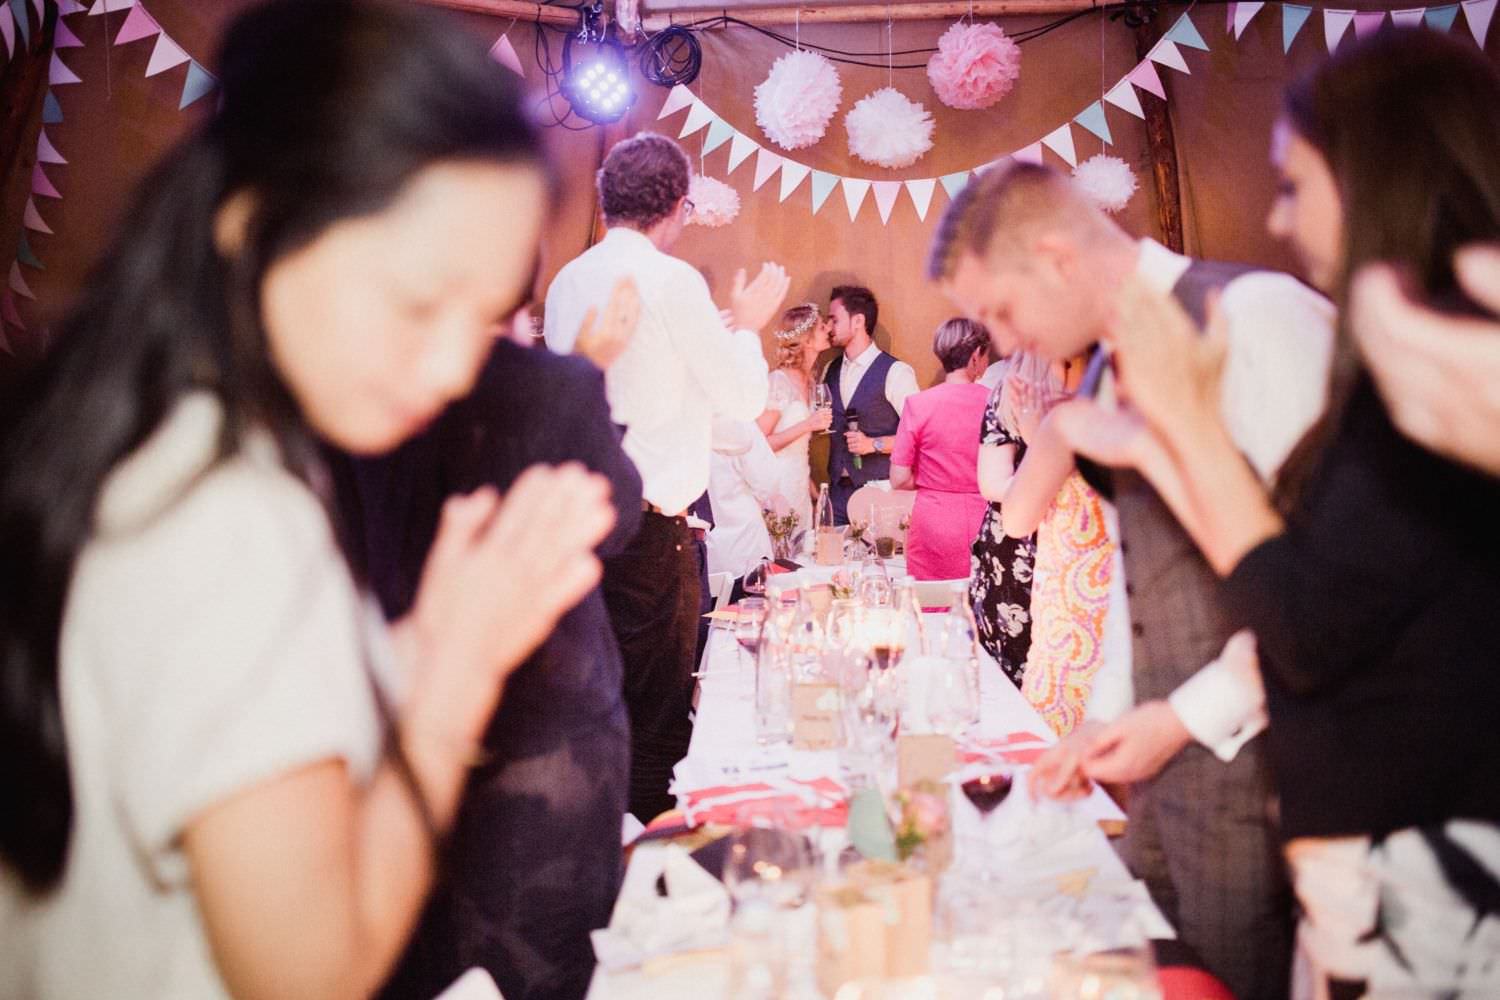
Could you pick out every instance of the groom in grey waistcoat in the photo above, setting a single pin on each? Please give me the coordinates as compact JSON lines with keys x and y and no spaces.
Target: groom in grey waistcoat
{"x":1022,"y":251}
{"x":868,"y":388}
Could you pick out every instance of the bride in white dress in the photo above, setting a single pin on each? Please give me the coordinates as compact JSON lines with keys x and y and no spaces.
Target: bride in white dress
{"x":790,"y":419}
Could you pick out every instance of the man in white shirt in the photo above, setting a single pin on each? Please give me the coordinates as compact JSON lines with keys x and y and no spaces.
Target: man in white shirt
{"x":868,"y":388}
{"x":1022,"y":252}
{"x":743,"y":480}
{"x":681,"y":370}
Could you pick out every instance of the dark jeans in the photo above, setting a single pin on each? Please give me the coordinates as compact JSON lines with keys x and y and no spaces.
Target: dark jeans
{"x":652,"y":592}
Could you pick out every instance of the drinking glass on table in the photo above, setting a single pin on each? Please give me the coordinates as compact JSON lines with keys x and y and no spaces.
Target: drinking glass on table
{"x":754,"y":581}
{"x":769,"y":865}
{"x":888,"y":530}
{"x":749,"y":626}
{"x":986,"y":785}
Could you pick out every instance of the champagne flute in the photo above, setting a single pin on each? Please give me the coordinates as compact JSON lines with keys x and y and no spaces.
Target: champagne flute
{"x":822,"y":399}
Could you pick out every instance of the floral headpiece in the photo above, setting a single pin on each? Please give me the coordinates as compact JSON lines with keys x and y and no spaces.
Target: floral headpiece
{"x":800,"y":330}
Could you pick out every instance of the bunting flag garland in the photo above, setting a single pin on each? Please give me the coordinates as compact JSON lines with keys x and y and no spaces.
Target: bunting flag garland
{"x":1335,"y":26}
{"x":823,"y":184}
{"x":165,"y":53}
{"x":792,"y":176}
{"x":855,"y":190}
{"x":885,"y":197}
{"x":1478,"y":13}
{"x":1240,"y":16}
{"x":1366,"y":23}
{"x":504,"y":53}
{"x":921,"y":195}
{"x":1441,"y":18}
{"x":22,"y":21}
{"x":1092,"y":118}
{"x":1293,"y":17}
{"x":8,"y":30}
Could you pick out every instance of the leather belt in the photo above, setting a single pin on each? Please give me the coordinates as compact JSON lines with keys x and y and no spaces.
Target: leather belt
{"x":651,"y":508}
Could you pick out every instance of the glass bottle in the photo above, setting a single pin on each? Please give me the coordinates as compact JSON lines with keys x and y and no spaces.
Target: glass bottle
{"x":828,"y":540}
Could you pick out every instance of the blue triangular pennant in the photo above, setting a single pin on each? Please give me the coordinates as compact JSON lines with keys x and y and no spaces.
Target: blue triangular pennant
{"x":1441,"y":18}
{"x":199,"y":82}
{"x":1092,"y":118}
{"x":1293,"y":17}
{"x":719,"y":132}
{"x":954,"y":183}
{"x":1185,"y":32}
{"x":25,"y":255}
{"x":23,"y":21}
{"x":51,"y":110}
{"x":823,"y":184}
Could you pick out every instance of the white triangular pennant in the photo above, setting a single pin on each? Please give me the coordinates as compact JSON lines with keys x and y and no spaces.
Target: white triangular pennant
{"x":1060,"y":141}
{"x":1409,"y":18}
{"x":166,"y":55}
{"x":1123,"y":96}
{"x":885,"y":198}
{"x":46,"y":152}
{"x":766,"y":165}
{"x":792,"y":175}
{"x":1478,"y":13}
{"x":678,"y":98}
{"x":1169,"y":55}
{"x":110,"y":6}
{"x":32,"y":219}
{"x":1335,"y":23}
{"x":697,"y":118}
{"x":1027,"y":154}
{"x":1243,"y":13}
{"x":740,"y":148}
{"x":921,"y":195}
{"x":855,"y":189}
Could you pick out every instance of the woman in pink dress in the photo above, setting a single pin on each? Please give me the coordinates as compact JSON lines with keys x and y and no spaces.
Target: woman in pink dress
{"x":937,"y":454}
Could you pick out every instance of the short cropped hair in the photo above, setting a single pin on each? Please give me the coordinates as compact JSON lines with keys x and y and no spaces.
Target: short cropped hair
{"x":955,"y":342}
{"x":1003,"y":203}
{"x":642,"y":180}
{"x":858,"y":301}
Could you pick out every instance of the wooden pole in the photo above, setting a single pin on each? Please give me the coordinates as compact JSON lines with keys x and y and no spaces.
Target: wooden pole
{"x":928,"y":10}
{"x":1162,"y":145}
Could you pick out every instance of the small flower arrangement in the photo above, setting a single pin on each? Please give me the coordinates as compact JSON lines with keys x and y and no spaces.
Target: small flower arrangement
{"x":922,"y":816}
{"x":781,"y":525}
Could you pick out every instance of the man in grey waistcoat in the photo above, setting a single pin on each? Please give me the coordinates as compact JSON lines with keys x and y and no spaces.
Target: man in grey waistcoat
{"x":1024,"y":252}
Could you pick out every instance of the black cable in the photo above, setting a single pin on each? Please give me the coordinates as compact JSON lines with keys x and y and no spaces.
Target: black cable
{"x":671,"y":57}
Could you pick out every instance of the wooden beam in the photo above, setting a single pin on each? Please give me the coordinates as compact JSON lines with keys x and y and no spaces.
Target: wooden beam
{"x":928,"y":10}
{"x":1161,"y":142}
{"x":534,"y":12}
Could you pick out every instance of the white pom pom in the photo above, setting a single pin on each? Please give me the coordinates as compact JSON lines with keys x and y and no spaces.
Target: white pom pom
{"x":797,"y":100}
{"x":714,"y":202}
{"x":888,"y":129}
{"x":1107,"y":181}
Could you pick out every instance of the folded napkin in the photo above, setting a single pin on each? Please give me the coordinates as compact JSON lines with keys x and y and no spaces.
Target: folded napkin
{"x":787,"y":802}
{"x":694,"y":914}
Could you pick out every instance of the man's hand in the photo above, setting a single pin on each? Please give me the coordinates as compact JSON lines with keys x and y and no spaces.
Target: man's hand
{"x":1058,"y":772}
{"x":1137,"y":745}
{"x":858,"y":443}
{"x":755,"y":303}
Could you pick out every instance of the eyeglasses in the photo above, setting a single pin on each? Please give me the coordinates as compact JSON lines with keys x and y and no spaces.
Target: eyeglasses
{"x":687,"y":208}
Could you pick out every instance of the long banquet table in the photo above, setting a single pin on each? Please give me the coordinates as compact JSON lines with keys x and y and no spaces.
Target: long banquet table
{"x":724,"y":752}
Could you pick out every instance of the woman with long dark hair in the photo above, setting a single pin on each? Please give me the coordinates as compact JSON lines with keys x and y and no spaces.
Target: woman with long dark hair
{"x":1371,"y":574}
{"x":218,"y":775}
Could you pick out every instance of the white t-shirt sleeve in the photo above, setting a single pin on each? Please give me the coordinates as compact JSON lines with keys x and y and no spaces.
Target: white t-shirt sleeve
{"x":238,"y":650}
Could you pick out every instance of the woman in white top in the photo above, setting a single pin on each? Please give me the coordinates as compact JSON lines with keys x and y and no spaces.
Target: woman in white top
{"x":218,"y":775}
{"x":790,"y":418}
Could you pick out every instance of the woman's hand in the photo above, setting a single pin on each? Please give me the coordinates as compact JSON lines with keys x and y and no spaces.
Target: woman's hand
{"x":1439,"y":375}
{"x":1118,"y":438}
{"x":1166,"y":368}
{"x":1027,"y":407}
{"x":755,"y":302}
{"x":819,"y":420}
{"x":602,"y":340}
{"x":501,"y":572}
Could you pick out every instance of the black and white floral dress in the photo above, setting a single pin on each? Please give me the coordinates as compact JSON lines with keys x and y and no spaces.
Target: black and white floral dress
{"x":1000,"y":569}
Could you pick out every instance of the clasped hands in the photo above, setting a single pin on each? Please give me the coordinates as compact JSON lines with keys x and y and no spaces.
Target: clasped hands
{"x":1133,"y":748}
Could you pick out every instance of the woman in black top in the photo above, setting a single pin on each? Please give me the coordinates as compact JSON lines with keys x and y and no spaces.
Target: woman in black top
{"x":534,"y":861}
{"x":1372,"y":576}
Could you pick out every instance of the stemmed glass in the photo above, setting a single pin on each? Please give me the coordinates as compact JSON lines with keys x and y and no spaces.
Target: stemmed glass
{"x":768,"y":865}
{"x":754,"y":582}
{"x":822,"y":399}
{"x":986,"y":785}
{"x":749,"y":626}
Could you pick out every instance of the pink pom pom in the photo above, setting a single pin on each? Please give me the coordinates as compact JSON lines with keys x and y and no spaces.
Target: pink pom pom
{"x":714,"y":202}
{"x":975,"y":65}
{"x":797,"y":99}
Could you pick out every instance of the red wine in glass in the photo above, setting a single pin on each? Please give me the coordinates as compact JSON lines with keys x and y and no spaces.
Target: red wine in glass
{"x":750,"y":643}
{"x":987,"y":792}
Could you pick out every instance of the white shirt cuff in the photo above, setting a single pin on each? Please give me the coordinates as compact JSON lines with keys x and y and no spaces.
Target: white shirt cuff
{"x":1223,"y":705}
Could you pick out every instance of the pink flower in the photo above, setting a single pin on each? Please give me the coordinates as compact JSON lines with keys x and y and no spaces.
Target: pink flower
{"x":975,"y":66}
{"x":929,"y":812}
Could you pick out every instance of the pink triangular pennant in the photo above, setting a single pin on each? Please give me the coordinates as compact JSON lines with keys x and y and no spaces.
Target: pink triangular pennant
{"x":740,"y":148}
{"x":1335,"y":23}
{"x":1367,"y":22}
{"x":11,"y":313}
{"x":64,"y":38}
{"x":67,"y":7}
{"x":700,"y":115}
{"x":855,"y":189}
{"x":1028,"y":154}
{"x":1478,"y":13}
{"x":1229,"y":17}
{"x":1060,"y":141}
{"x":504,"y":53}
{"x":1243,"y":14}
{"x":677,"y":99}
{"x":766,"y":165}
{"x":921,"y":195}
{"x":885,"y":197}
{"x":138,"y":24}
{"x":41,"y":185}
{"x":1123,"y":96}
{"x":8,"y":29}
{"x":792,"y":175}
{"x":109,"y":6}
{"x":46,"y":152}
{"x":17,"y":282}
{"x":32,"y":219}
{"x":59,"y":74}
{"x":166,"y":55}
{"x":1146,"y":77}
{"x":1169,"y":55}
{"x":1410,"y":18}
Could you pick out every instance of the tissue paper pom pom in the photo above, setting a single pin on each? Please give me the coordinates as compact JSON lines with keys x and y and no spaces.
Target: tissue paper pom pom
{"x":714,"y":202}
{"x":1107,"y":181}
{"x":888,"y":129}
{"x":975,"y":65}
{"x":795,"y":103}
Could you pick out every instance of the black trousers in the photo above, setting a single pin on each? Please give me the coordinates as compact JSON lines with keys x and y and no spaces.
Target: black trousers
{"x":652,"y":591}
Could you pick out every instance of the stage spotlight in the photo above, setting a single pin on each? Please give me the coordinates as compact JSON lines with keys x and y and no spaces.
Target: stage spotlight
{"x":596,"y":78}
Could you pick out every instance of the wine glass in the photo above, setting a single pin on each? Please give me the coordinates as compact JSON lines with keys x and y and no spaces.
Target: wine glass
{"x":986,"y":785}
{"x":755,"y":581}
{"x":822,"y":399}
{"x":749,"y":626}
{"x":950,"y":696}
{"x":764,"y":864}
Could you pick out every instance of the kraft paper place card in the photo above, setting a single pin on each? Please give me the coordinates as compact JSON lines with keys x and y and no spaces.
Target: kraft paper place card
{"x":816,"y":720}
